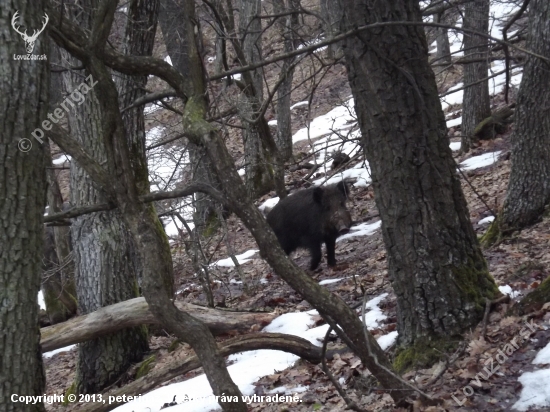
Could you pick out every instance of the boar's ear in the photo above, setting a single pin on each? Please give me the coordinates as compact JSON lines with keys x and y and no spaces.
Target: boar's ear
{"x":344,"y":188}
{"x":318,"y":195}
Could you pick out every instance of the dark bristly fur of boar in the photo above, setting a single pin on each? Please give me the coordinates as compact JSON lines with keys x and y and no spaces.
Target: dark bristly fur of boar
{"x":311,"y":217}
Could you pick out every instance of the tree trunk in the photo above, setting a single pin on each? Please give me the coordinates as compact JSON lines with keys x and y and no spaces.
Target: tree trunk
{"x":58,"y":286}
{"x":259,"y":162}
{"x":135,"y":312}
{"x":173,"y":24}
{"x":435,"y":264}
{"x":24,"y":102}
{"x":105,"y":264}
{"x":332,"y":15}
{"x":528,"y":193}
{"x":288,"y":28}
{"x":476,"y":103}
{"x":443,"y":54}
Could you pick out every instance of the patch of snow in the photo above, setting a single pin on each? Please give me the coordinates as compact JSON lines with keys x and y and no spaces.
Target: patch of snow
{"x":41,"y":301}
{"x":455,"y":146}
{"x":374,"y":316}
{"x":507,"y":290}
{"x":211,"y":59}
{"x":535,"y":392}
{"x":269,"y":203}
{"x":543,"y":357}
{"x":290,"y":391}
{"x":150,"y":108}
{"x":485,"y":220}
{"x":454,"y":122}
{"x":453,"y":98}
{"x":329,"y":281}
{"x":168,"y":60}
{"x":386,"y":341}
{"x":61,"y":160}
{"x":153,"y":134}
{"x":272,"y":122}
{"x":242,"y":258}
{"x":477,"y":162}
{"x":363,"y":229}
{"x":53,"y":352}
{"x":299,"y":104}
{"x":338,"y":118}
{"x":241,"y":172}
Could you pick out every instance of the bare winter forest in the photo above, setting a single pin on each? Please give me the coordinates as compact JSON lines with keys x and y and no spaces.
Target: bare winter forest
{"x":277,"y":205}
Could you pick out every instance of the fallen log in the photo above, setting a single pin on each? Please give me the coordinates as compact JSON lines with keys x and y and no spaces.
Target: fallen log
{"x":135,"y":312}
{"x":154,"y":379}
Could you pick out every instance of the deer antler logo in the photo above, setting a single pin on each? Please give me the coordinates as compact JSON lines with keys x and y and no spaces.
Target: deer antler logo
{"x":29,"y":40}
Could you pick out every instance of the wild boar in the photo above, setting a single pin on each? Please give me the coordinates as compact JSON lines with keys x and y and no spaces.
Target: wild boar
{"x":311,"y":217}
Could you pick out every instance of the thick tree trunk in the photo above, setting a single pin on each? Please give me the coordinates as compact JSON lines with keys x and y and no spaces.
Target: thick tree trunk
{"x":435,"y":264}
{"x":105,"y":264}
{"x":135,"y":312}
{"x":528,"y":193}
{"x":476,"y":103}
{"x":24,"y":102}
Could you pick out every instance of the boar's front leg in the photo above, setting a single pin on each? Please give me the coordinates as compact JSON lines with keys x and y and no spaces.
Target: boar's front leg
{"x":331,"y":246}
{"x":316,"y":255}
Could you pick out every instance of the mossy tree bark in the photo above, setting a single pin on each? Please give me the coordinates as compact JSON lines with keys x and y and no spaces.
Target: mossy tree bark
{"x":476,"y":103}
{"x":435,"y":263}
{"x":24,"y":102}
{"x":105,"y":264}
{"x":528,"y":193}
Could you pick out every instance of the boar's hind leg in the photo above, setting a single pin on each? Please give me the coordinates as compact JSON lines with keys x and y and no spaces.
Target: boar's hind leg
{"x":331,"y":257}
{"x":315,"y":251}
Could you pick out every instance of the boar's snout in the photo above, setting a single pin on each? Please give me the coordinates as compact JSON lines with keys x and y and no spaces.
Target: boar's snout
{"x":343,"y":223}
{"x":343,"y":230}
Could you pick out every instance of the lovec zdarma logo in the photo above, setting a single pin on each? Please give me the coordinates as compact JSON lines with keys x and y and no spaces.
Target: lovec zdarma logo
{"x":29,"y":40}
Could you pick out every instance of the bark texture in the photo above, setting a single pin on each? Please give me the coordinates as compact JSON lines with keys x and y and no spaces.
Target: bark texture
{"x":135,"y":312}
{"x":332,"y":14}
{"x":23,"y":98}
{"x":476,"y":103}
{"x":435,"y":264}
{"x":528,"y":193}
{"x":259,"y":161}
{"x":443,"y":54}
{"x":105,"y":264}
